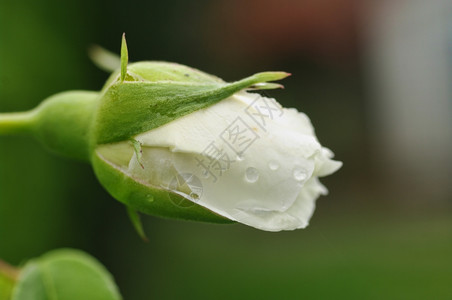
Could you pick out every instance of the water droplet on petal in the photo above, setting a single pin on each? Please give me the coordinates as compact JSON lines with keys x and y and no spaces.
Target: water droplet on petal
{"x":273,"y":165}
{"x":299,"y":174}
{"x":251,"y":174}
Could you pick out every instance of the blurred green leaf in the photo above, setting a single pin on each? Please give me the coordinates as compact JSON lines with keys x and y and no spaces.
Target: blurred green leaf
{"x":65,"y":275}
{"x":6,"y":285}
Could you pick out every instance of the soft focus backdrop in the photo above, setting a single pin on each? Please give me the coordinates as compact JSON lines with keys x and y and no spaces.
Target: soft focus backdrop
{"x":374,"y":77}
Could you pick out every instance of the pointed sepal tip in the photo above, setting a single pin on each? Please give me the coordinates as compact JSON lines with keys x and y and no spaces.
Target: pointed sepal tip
{"x":136,"y":222}
{"x":124,"y":57}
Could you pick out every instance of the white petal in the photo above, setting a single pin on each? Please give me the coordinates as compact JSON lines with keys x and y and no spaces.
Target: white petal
{"x":324,"y":165}
{"x":265,"y":177}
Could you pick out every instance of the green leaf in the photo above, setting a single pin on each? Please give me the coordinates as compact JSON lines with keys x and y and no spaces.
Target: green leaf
{"x":6,"y":286}
{"x":65,"y":275}
{"x":8,"y":278}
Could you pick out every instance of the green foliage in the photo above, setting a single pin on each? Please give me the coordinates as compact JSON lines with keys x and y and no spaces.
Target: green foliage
{"x":65,"y":275}
{"x":6,"y":285}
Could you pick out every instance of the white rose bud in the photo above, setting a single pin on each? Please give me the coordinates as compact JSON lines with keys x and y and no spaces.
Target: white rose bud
{"x":245,"y":158}
{"x":172,"y":141}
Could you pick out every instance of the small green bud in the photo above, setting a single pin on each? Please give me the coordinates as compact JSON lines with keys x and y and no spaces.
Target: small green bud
{"x":65,"y":274}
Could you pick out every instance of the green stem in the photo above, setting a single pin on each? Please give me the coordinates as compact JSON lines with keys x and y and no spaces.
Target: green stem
{"x":16,"y":123}
{"x":9,"y":271}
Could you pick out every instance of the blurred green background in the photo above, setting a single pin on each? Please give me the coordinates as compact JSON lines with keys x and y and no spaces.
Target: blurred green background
{"x":382,"y":233}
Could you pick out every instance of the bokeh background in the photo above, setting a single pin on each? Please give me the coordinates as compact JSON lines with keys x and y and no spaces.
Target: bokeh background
{"x":374,"y":77}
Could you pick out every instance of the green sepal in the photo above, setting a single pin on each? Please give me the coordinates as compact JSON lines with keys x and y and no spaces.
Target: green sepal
{"x":266,"y":86}
{"x":158,"y":71}
{"x":124,"y":57}
{"x":65,"y":274}
{"x":137,"y":224}
{"x":149,"y":199}
{"x":132,"y":107}
{"x":104,"y":59}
